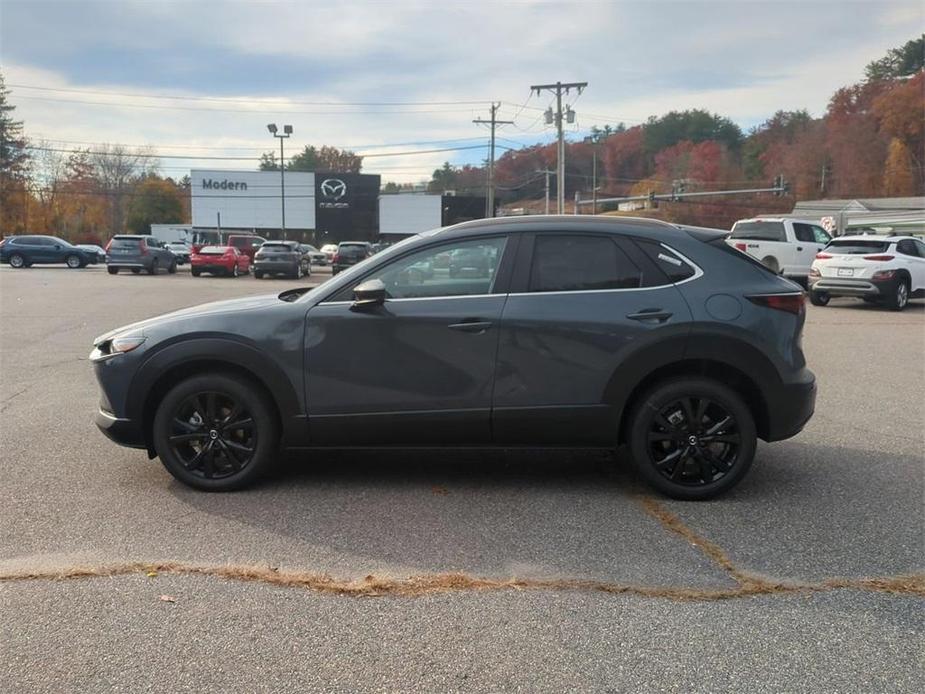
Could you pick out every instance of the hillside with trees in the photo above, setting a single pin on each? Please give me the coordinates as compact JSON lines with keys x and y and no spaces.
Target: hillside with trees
{"x":868,"y":143}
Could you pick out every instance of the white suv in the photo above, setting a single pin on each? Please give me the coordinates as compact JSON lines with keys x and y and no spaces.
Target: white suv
{"x":888,"y":269}
{"x":783,"y":245}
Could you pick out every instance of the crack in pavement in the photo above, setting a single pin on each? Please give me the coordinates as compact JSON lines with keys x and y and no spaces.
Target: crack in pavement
{"x":747,"y":584}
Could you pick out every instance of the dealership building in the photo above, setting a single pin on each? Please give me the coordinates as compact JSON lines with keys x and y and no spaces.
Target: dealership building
{"x":320,"y":208}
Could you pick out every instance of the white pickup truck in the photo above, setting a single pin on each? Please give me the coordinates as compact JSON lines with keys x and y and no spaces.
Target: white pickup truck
{"x":786,"y":246}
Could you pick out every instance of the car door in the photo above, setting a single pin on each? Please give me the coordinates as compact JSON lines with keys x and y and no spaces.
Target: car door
{"x":907,"y":253}
{"x":416,"y":369}
{"x":808,"y":244}
{"x":580,"y":306}
{"x":41,"y":249}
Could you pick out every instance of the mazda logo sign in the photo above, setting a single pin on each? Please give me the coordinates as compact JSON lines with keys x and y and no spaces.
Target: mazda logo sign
{"x":333,"y":188}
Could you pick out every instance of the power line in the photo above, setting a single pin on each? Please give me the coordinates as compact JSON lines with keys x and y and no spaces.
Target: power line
{"x":231,"y":100}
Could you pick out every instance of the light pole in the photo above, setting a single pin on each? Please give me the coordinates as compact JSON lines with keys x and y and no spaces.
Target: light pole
{"x":594,"y":141}
{"x":287,"y":131}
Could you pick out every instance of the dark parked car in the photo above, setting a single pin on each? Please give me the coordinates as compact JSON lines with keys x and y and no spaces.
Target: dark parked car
{"x":95,"y":254}
{"x":137,"y":253}
{"x":350,"y":253}
{"x":282,"y":258}
{"x":181,"y":251}
{"x":590,"y":332}
{"x":23,"y":251}
{"x":470,"y":261}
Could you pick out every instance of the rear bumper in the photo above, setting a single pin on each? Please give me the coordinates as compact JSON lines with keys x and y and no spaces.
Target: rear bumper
{"x":125,"y":432}
{"x":275,"y":266}
{"x":849,"y":287}
{"x":790,"y":408}
{"x":213,"y":269}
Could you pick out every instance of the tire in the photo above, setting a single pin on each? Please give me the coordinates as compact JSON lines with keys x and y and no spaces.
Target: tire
{"x":234,"y":271}
{"x":671,"y":462}
{"x":899,"y":298}
{"x":172,"y":268}
{"x":258,"y":275}
{"x":297,"y":275}
{"x":153,"y":269}
{"x":235,"y":457}
{"x":136,"y":270}
{"x":73,"y":261}
{"x":195,"y":272}
{"x":18,"y":261}
{"x":112,"y":270}
{"x":819,"y":298}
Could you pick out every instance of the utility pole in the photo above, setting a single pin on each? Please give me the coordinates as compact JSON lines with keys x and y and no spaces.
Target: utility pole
{"x":494,"y":122}
{"x":547,"y":172}
{"x":287,"y":131}
{"x":594,"y":141}
{"x":559,"y":88}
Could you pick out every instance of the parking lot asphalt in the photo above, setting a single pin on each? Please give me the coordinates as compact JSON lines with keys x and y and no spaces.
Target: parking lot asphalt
{"x":467,"y":571}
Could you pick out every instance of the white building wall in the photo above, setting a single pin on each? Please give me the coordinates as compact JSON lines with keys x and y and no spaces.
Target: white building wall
{"x":409,"y":214}
{"x":251,"y":199}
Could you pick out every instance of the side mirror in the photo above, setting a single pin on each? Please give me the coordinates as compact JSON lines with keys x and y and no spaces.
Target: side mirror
{"x":368,"y":294}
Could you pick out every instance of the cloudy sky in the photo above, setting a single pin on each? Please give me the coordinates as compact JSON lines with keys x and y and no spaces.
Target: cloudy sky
{"x":204,"y":78}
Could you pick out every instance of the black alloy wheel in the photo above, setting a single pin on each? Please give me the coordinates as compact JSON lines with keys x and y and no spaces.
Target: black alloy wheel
{"x":692,"y":439}
{"x":153,"y":269}
{"x":215,"y":432}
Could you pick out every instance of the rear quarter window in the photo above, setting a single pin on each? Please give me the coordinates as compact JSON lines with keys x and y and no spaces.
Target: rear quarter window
{"x":759,"y":231}
{"x":675,"y":268}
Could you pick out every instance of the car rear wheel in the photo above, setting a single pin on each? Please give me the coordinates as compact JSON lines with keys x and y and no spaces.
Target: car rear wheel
{"x":819,"y":298}
{"x":216,"y":432}
{"x":195,"y":272}
{"x":258,"y":275}
{"x":153,"y":269}
{"x":770,"y":262}
{"x":234,"y":270}
{"x":692,"y":438}
{"x":112,"y":270}
{"x":17,"y":261}
{"x":172,"y":268}
{"x":136,"y":270}
{"x":899,"y":299}
{"x":73,"y":261}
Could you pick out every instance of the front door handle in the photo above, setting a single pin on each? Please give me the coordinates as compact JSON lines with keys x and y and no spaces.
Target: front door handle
{"x":471,"y":326}
{"x":650,"y":314}
{"x":799,"y":248}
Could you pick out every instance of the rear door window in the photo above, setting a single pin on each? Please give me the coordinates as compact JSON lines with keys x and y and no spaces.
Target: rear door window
{"x":804,"y":232}
{"x":759,"y":231}
{"x":573,"y":262}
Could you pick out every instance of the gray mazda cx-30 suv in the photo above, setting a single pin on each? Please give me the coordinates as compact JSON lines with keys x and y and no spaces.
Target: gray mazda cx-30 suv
{"x":583,"y":332}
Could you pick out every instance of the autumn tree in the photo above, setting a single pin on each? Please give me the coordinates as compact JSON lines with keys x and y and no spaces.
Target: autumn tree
{"x":899,"y":171}
{"x":118,"y":168}
{"x":154,"y":201}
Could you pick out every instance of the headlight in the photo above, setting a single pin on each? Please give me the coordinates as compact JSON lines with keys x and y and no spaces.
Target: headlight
{"x":125,"y":343}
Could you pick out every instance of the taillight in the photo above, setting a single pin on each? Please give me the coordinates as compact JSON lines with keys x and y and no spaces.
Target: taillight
{"x":823,"y":256}
{"x":741,"y":247}
{"x":108,"y":244}
{"x":814,"y":272}
{"x":336,"y":258}
{"x":878,"y":257}
{"x":791,"y":303}
{"x":142,"y":248}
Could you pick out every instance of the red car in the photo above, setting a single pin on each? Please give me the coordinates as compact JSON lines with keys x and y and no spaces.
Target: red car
{"x":219,"y":260}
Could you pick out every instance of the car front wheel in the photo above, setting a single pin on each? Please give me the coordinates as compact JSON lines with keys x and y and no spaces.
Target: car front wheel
{"x":692,"y":438}
{"x":73,"y":262}
{"x":216,"y":432}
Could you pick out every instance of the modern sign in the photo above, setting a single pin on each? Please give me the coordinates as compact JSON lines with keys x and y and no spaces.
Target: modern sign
{"x":252,"y":199}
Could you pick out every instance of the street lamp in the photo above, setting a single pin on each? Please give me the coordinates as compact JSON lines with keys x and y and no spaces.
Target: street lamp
{"x":287,"y":131}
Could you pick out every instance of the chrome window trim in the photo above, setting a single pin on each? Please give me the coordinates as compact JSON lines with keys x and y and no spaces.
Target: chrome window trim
{"x":421,"y":298}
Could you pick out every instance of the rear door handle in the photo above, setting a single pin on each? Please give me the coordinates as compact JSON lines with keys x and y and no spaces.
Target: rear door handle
{"x":650,"y":314}
{"x":471,"y":326}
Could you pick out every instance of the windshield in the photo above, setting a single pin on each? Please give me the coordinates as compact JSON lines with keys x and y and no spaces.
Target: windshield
{"x":849,"y":247}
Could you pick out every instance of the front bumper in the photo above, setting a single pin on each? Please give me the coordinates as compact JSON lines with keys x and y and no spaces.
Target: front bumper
{"x":125,"y":432}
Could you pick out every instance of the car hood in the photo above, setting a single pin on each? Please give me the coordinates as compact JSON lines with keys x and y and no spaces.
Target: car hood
{"x":246,"y":303}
